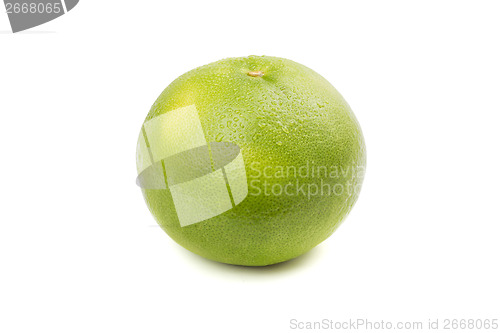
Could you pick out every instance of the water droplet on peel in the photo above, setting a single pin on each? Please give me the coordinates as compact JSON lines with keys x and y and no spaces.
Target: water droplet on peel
{"x":285,"y":129}
{"x":219,"y":137}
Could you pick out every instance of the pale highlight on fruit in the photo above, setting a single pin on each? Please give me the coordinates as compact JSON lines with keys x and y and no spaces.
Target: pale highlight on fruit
{"x":295,"y":176}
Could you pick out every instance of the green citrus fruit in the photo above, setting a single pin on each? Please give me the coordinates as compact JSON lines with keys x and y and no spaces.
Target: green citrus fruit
{"x":250,"y":161}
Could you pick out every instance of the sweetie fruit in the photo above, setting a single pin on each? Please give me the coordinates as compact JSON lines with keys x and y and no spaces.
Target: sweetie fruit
{"x":250,"y":161}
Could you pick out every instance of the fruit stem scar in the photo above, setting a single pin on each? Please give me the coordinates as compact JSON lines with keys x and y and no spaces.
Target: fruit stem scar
{"x":256,"y":73}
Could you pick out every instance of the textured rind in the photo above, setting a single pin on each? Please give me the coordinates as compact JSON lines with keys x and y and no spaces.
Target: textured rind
{"x":291,"y":116}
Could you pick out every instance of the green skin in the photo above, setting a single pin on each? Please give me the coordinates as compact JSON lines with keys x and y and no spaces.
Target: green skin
{"x":280,"y":114}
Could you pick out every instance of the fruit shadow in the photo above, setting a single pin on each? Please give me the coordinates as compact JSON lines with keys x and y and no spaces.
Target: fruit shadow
{"x":301,"y":262}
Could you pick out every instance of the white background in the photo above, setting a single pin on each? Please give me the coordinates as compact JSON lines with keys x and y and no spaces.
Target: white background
{"x":80,"y":252}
